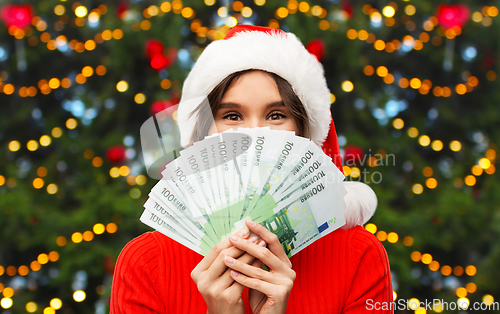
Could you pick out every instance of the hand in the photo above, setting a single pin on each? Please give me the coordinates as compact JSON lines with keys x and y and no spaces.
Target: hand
{"x":221,"y":293}
{"x":269,"y":291}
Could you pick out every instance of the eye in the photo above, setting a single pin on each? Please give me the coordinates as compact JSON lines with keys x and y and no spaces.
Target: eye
{"x":232,"y":116}
{"x":276,"y":116}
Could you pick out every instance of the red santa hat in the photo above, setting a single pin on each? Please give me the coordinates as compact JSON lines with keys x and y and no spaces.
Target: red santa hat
{"x":261,"y":48}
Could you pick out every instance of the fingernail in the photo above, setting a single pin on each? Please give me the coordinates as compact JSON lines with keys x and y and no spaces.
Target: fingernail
{"x":262,"y":243}
{"x":234,"y":238}
{"x":253,"y":239}
{"x":234,"y":274}
{"x":229,"y":260}
{"x":251,"y":223}
{"x":244,"y":232}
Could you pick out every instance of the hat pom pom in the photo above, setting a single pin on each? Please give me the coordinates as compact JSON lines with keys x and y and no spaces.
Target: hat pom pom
{"x":361,"y":203}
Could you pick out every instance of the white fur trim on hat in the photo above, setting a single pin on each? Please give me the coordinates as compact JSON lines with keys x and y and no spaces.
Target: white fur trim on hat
{"x":361,"y":203}
{"x":278,"y":53}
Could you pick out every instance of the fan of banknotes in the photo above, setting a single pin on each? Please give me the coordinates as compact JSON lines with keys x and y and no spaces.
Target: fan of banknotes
{"x":275,"y":178}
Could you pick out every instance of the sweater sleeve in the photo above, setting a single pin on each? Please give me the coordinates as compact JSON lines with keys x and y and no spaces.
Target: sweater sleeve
{"x":371,"y":286}
{"x":137,"y":280}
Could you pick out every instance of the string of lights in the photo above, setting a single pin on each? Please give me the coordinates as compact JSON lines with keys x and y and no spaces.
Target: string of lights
{"x":46,"y":87}
{"x":293,"y":6}
{"x":427,"y":259}
{"x":45,"y":258}
{"x":425,"y":86}
{"x":485,"y":164}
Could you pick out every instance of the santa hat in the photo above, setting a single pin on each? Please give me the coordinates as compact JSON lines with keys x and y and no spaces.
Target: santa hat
{"x":261,"y":48}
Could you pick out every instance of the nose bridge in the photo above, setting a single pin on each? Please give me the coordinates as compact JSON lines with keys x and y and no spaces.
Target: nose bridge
{"x":253,"y":120}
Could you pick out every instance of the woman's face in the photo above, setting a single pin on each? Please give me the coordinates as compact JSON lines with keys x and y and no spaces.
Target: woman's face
{"x":252,"y":100}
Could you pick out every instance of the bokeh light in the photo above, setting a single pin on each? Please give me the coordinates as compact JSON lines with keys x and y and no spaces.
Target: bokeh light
{"x":455,"y":146}
{"x":426,"y":258}
{"x":31,"y":307}
{"x":61,"y":241}
{"x":77,"y":237}
{"x":347,"y":86}
{"x":398,"y":123}
{"x":122,"y":86}
{"x":417,"y":188}
{"x":79,"y":296}
{"x":388,"y":11}
{"x":81,"y":11}
{"x":111,"y":227}
{"x":99,"y":228}
{"x":14,"y":146}
{"x":43,"y":258}
{"x":56,"y":303}
{"x":371,"y":228}
{"x":408,"y":241}
{"x":6,"y":303}
{"x":392,"y":237}
{"x":71,"y":123}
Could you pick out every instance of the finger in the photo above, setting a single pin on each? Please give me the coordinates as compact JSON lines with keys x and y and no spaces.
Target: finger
{"x":209,"y":259}
{"x":257,"y":263}
{"x":260,"y":252}
{"x":253,"y":272}
{"x":290,"y":273}
{"x":212,"y":255}
{"x":272,"y":240}
{"x":218,"y":267}
{"x":236,"y":288}
{"x":225,"y":280}
{"x":266,"y":288}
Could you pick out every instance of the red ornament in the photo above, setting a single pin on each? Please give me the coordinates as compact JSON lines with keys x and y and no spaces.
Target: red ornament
{"x":453,"y":15}
{"x":19,"y":16}
{"x":155,"y":52}
{"x":316,"y":48}
{"x":153,"y":48}
{"x":160,"y":105}
{"x":121,"y":9}
{"x":352,"y":155}
{"x":116,"y":154}
{"x":347,"y":8}
{"x":160,"y":62}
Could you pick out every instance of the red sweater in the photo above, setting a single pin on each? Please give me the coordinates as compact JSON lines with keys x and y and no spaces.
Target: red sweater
{"x":336,"y":274}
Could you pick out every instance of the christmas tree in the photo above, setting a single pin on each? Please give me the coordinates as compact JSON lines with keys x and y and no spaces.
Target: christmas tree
{"x":414,"y":97}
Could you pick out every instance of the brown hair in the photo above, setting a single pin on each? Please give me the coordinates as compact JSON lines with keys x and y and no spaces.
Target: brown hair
{"x":290,"y":100}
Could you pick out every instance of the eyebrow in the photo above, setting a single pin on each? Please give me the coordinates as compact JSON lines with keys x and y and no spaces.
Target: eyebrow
{"x":228,"y":105}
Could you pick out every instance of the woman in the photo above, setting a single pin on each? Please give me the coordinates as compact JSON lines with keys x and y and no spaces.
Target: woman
{"x":259,"y":77}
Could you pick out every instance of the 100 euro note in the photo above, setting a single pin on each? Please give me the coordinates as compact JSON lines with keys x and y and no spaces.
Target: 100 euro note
{"x":185,"y":192}
{"x":282,"y":157}
{"x":296,"y":156}
{"x":173,"y":214}
{"x":306,"y":220}
{"x":155,"y":216}
{"x":309,"y":201}
{"x":306,"y":215}
{"x":297,"y":223}
{"x":197,"y":179}
{"x":223,"y":174}
{"x":183,"y":209}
